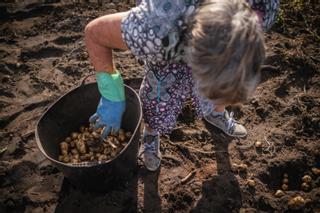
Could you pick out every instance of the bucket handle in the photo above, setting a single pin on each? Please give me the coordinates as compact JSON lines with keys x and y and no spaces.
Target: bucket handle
{"x":83,"y":81}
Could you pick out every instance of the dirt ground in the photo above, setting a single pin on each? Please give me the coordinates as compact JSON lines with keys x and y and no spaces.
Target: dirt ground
{"x":42,"y":55}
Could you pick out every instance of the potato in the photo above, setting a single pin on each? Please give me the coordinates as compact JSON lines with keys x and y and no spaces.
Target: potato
{"x":82,"y":129}
{"x":296,"y":203}
{"x":74,"y":151}
{"x":66,"y":159}
{"x":86,"y":145}
{"x":242,"y":167}
{"x":74,"y":160}
{"x":74,"y":135}
{"x":306,"y":179}
{"x":60,"y":158}
{"x":102,"y":158}
{"x":95,"y":135}
{"x":64,"y":147}
{"x":305,"y":186}
{"x":284,"y":187}
{"x":251,"y":183}
{"x":315,"y":171}
{"x":128,"y":135}
{"x":279,"y":193}
{"x":72,"y":144}
{"x":76,"y":156}
{"x":258,"y":144}
{"x":122,"y":138}
{"x":81,"y":147}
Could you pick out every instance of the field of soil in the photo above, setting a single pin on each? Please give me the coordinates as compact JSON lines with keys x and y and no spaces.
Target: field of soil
{"x":42,"y":56}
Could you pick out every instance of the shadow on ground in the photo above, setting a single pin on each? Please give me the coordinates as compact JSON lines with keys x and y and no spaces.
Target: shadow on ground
{"x":122,"y":198}
{"x":222,"y":192}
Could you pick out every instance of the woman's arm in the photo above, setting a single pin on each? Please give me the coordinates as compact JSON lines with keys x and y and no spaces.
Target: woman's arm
{"x":102,"y":35}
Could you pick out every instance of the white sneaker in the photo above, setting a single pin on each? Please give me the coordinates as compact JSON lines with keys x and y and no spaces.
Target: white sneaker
{"x":151,"y":152}
{"x":226,"y":123}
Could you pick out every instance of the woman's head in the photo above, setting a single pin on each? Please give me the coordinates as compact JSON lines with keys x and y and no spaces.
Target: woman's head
{"x":225,"y":50}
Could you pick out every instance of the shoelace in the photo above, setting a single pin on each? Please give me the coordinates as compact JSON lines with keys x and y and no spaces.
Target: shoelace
{"x":151,"y":147}
{"x":230,"y":121}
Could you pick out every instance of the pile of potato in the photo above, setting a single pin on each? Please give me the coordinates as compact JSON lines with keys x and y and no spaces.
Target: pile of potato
{"x":87,"y":146}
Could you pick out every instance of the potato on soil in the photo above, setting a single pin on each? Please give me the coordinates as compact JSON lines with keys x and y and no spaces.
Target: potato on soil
{"x":296,"y":203}
{"x":315,"y":171}
{"x":306,"y":179}
{"x":285,"y":181}
{"x":242,"y":167}
{"x":258,"y":144}
{"x":251,"y":183}
{"x":284,"y":187}
{"x":279,"y":193}
{"x":305,"y":186}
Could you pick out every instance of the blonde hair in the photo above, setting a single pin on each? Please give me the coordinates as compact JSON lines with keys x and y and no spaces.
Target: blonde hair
{"x":225,"y":50}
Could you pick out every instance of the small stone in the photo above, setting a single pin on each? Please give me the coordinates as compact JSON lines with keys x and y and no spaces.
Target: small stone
{"x":285,"y":181}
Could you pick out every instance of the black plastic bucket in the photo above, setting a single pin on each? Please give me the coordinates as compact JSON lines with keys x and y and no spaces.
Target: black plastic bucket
{"x":73,"y":110}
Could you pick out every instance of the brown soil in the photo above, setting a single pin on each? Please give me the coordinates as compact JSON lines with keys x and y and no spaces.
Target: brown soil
{"x":42,"y":55}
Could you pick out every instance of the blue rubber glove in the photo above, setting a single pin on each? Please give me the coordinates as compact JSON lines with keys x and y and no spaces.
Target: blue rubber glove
{"x":112,"y":103}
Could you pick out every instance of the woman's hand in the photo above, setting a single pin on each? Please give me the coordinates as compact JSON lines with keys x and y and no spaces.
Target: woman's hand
{"x":108,"y":115}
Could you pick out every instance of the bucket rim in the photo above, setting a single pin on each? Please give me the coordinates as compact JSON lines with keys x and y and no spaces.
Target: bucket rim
{"x":84,"y":164}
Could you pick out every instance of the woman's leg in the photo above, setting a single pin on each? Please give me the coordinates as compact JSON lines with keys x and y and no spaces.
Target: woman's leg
{"x":161,"y":104}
